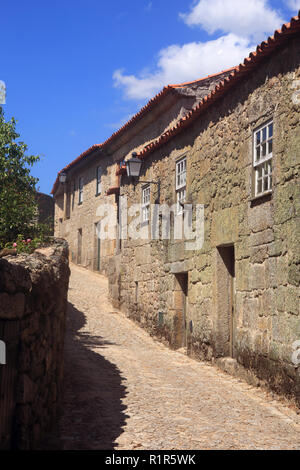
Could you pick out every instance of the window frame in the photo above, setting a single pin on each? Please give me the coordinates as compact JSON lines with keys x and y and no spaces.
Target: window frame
{"x":146,"y":202}
{"x":180,"y":182}
{"x":80,"y":190}
{"x":98,"y":180}
{"x":262,"y":161}
{"x":73,"y":193}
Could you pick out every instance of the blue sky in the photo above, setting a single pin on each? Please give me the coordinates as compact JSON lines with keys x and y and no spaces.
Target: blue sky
{"x":76,"y":71}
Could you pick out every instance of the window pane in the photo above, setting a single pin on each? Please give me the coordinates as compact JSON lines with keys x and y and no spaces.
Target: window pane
{"x":259,"y":172}
{"x":263,"y":150}
{"x":257,"y":153}
{"x":270,"y":146}
{"x":180,"y":174}
{"x":146,"y":195}
{"x":270,"y":130}
{"x":258,"y":138}
{"x":259,"y":186}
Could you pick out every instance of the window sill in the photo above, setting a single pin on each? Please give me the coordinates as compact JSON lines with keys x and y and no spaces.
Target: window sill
{"x":261,"y":197}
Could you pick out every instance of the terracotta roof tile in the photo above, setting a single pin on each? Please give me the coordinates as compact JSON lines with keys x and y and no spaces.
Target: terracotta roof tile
{"x":151,"y":103}
{"x":67,"y":167}
{"x":264,"y":49}
{"x":251,"y":62}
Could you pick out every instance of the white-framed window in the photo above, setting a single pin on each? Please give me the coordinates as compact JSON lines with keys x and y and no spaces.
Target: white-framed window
{"x":262,"y":159}
{"x":180,"y":184}
{"x":146,"y":203}
{"x":98,"y":180}
{"x":73,"y":194}
{"x":80,"y":190}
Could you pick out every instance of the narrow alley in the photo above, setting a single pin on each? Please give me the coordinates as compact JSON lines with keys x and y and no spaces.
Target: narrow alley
{"x":126,"y":391}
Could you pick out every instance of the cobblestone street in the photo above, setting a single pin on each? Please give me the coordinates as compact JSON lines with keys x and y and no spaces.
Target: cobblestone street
{"x":124,"y":390}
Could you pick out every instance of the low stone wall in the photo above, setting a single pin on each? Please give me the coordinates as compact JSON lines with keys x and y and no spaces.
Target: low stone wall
{"x":33,"y":304}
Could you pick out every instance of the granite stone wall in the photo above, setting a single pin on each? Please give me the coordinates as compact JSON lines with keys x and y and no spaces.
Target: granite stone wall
{"x":33,"y":303}
{"x":45,"y":210}
{"x":260,"y":235}
{"x":72,"y":217}
{"x":77,"y":222}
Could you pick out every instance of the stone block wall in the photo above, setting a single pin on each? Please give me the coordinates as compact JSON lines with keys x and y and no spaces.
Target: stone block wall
{"x":33,"y":303}
{"x":83,"y":216}
{"x":45,"y":209}
{"x":263,"y":234}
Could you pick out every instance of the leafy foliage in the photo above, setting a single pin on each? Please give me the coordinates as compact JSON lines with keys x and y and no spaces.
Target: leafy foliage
{"x":17,"y":187}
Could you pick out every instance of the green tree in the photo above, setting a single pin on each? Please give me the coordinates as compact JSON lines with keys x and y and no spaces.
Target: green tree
{"x":17,"y":187}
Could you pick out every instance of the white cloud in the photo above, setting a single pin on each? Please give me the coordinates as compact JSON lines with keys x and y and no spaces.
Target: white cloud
{"x":178,"y":64}
{"x":241,"y":26}
{"x":251,"y":18}
{"x":294,"y":5}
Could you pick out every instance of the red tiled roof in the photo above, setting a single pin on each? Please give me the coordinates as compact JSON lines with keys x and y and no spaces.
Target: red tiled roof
{"x":245,"y":68}
{"x":157,"y":98}
{"x":67,"y":167}
{"x":249,"y":64}
{"x":181,"y":85}
{"x":151,"y":103}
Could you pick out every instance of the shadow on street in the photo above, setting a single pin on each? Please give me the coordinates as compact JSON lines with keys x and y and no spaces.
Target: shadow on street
{"x":92,"y":415}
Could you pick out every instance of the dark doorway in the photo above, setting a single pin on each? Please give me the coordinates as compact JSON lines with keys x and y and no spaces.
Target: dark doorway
{"x":97,"y":263}
{"x":79,"y":247}
{"x":181,"y":305}
{"x":226,"y":300}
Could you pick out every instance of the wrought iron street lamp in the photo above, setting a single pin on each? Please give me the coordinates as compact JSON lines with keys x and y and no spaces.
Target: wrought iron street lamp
{"x":133,"y":167}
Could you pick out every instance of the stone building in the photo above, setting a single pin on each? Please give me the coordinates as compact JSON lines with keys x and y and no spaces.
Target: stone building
{"x":234,"y":152}
{"x":96,"y":173}
{"x":45,"y":213}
